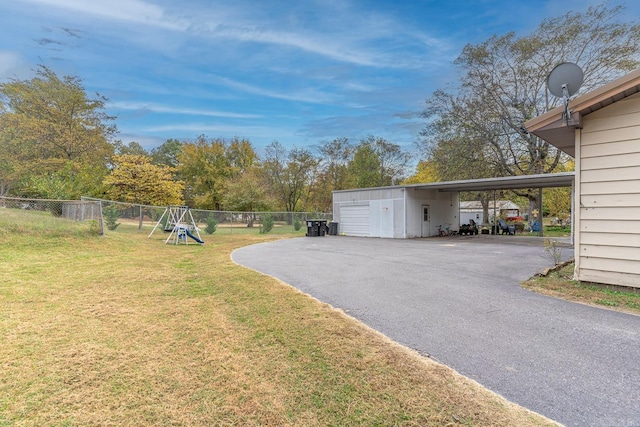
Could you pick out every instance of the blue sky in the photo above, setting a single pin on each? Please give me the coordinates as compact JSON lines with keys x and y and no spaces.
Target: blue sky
{"x":299,"y":72}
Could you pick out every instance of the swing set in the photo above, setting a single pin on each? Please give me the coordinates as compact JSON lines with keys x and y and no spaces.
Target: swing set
{"x":179,"y":224}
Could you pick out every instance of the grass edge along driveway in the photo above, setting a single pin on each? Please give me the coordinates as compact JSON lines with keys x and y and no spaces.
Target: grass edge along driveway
{"x":125,"y":330}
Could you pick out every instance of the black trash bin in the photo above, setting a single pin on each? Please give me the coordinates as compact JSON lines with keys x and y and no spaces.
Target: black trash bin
{"x":316,"y":227}
{"x":312,"y":229}
{"x":333,"y":228}
{"x":322,"y":227}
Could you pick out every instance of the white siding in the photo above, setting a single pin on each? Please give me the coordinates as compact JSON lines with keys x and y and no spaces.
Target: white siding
{"x":399,"y":231}
{"x":384,"y":212}
{"x":609,"y":238}
{"x":381,"y":218}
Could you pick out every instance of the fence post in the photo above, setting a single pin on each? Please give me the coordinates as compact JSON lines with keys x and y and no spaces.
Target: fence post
{"x":140,"y":223}
{"x":101,"y":220}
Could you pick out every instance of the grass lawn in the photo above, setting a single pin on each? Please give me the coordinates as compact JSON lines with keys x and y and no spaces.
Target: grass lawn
{"x":125,"y":330}
{"x":560,"y":284}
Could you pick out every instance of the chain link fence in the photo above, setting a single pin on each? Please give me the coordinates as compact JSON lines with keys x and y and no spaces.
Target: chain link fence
{"x":145,"y":217}
{"x":105,"y":216}
{"x":82,"y":211}
{"x":108,"y":215}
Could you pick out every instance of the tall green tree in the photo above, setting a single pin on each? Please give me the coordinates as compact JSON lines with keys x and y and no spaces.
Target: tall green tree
{"x":132,"y":147}
{"x":205,"y":168}
{"x":167,"y":153}
{"x":333,"y":172}
{"x":242,"y":156}
{"x":247,"y":189}
{"x":210,"y":166}
{"x":393,"y":160}
{"x":377,"y":162}
{"x":72,"y":181}
{"x":335,"y":157}
{"x":503,"y":85}
{"x":291,"y":174}
{"x":364,"y":168}
{"x":49,"y":127}
{"x":248,"y":193}
{"x":13,"y":165}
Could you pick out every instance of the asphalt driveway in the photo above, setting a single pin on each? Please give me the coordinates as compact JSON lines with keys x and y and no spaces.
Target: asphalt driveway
{"x":458,"y":300}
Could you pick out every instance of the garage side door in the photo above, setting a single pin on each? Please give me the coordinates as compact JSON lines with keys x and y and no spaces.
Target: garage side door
{"x":354,"y":220}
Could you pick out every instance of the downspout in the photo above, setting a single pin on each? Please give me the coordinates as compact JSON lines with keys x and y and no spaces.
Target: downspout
{"x":494,"y":226}
{"x":577,"y":203}
{"x":458,"y":212}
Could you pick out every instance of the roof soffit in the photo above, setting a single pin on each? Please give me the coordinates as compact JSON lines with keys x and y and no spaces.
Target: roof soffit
{"x":552,"y":127}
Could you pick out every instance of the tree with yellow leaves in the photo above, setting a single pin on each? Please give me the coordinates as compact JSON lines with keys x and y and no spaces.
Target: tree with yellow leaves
{"x":426,"y":171}
{"x":134,"y":179}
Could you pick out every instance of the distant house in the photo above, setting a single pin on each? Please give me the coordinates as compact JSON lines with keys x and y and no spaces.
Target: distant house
{"x":603,"y":134}
{"x":501,"y":208}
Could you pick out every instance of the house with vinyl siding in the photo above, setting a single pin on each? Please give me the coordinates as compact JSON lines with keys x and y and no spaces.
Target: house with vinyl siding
{"x":474,"y":210}
{"x":603,"y":135}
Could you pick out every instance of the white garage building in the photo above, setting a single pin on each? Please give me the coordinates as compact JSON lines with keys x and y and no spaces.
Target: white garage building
{"x":417,"y":210}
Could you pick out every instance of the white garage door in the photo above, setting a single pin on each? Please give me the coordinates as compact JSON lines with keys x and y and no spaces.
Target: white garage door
{"x":354,"y":220}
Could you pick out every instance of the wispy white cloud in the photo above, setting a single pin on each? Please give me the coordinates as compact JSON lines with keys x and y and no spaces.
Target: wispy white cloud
{"x":133,"y":11}
{"x":342,"y":34}
{"x":308,"y":95}
{"x":359,"y":86}
{"x":156,"y":108}
{"x":329,"y":67}
{"x":259,"y":132}
{"x":357,"y":37}
{"x":200,"y":127}
{"x":324,"y":45}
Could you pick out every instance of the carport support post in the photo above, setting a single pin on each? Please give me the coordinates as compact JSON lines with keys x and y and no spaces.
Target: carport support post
{"x":540,"y":214}
{"x":494,"y":225}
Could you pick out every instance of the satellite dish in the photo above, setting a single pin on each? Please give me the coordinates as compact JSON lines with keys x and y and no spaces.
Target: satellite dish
{"x":564,"y":81}
{"x":567,"y":76}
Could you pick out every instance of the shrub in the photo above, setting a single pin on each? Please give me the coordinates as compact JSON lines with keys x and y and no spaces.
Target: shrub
{"x":554,"y":251}
{"x":95,"y":229}
{"x":111,"y":216}
{"x":297,"y":224}
{"x":267,"y":223}
{"x":212,"y":224}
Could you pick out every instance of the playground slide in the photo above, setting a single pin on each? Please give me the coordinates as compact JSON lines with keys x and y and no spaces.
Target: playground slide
{"x":193,"y":237}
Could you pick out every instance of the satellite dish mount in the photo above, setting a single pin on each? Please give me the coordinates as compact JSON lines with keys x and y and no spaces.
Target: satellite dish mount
{"x":564,"y":81}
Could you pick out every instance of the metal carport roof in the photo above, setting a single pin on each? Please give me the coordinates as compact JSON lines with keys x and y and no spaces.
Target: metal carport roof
{"x":564,"y":179}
